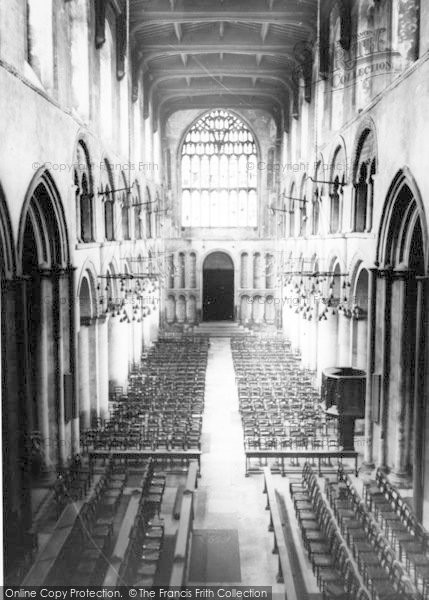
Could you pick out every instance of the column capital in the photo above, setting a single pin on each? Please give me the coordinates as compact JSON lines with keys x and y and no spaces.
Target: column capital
{"x":391,"y":273}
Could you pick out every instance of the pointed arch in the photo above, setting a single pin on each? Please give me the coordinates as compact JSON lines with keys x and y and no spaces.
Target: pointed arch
{"x":218,"y":187}
{"x":403,"y":211}
{"x":43,"y":221}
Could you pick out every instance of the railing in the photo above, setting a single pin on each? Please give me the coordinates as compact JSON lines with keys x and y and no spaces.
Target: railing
{"x":189,"y":455}
{"x":285,"y":573}
{"x":319,"y":455}
{"x":181,"y":551}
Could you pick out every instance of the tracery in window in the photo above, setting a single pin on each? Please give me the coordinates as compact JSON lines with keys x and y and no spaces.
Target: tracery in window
{"x":219,"y":183}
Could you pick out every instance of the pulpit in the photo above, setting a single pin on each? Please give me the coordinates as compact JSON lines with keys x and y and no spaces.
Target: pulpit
{"x":343,"y":392}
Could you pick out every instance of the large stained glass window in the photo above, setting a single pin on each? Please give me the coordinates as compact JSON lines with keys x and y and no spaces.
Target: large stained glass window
{"x":219,"y":174}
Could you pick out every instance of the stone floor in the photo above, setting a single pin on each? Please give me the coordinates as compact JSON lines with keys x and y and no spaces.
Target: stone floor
{"x":226,"y":499}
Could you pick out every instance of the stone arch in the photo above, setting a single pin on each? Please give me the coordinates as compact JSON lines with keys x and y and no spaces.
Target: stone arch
{"x":43,"y":213}
{"x":366,"y":126}
{"x":87,"y":294}
{"x":402,"y":210}
{"x":48,"y":308}
{"x":402,"y":255}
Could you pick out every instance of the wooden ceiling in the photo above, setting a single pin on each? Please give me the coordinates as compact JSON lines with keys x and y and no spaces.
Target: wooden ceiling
{"x":220,"y":53}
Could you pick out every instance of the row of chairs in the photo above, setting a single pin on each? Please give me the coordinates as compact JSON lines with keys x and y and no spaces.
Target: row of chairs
{"x":142,"y":557}
{"x":93,"y":546}
{"x":72,"y":483}
{"x":163,"y":405}
{"x":383,"y":574}
{"x":98,"y":515}
{"x":335,"y":572}
{"x":279,"y":406}
{"x":401,"y":527}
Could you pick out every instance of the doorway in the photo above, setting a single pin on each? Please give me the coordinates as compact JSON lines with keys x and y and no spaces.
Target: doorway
{"x":218,"y":288}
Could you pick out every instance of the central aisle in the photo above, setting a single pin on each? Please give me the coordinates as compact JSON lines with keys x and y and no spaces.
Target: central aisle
{"x":231,"y":538}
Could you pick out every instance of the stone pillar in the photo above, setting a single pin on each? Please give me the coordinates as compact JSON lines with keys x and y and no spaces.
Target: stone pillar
{"x":327,"y":344}
{"x":343,"y":358}
{"x":93,"y":362}
{"x":130,"y":327}
{"x":362,"y":345}
{"x":386,"y":314}
{"x":137,"y":340}
{"x":45,"y":334}
{"x":304,"y":342}
{"x":83,"y":365}
{"x":103,"y":366}
{"x":61,"y":329}
{"x":313,"y":332}
{"x":73,"y":361}
{"x":420,"y":386}
{"x":118,"y":352}
{"x":369,"y":368}
{"x":397,"y":377}
{"x":18,"y":402}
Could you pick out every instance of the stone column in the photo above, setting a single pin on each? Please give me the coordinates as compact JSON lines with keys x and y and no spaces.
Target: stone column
{"x":118,"y":352}
{"x":137,"y":340}
{"x":313,"y":332}
{"x":369,"y":368}
{"x":420,"y":386}
{"x":397,"y":375}
{"x":73,"y":360}
{"x":61,"y":329}
{"x":304,"y":342}
{"x":83,"y":364}
{"x":18,"y":402}
{"x":43,"y":370}
{"x":361,"y":342}
{"x":103,"y":365}
{"x":327,"y":344}
{"x":93,"y":363}
{"x":343,"y":358}
{"x":385,"y":310}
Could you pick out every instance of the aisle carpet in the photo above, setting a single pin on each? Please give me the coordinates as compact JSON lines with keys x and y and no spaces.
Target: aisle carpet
{"x":215,"y":556}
